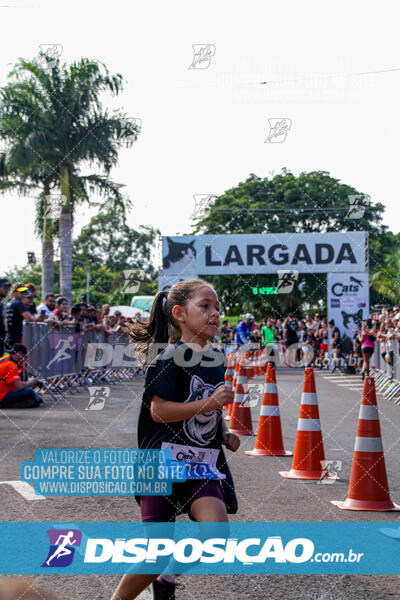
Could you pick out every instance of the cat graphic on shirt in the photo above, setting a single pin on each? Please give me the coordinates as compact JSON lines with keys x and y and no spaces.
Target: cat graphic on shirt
{"x":201,"y":428}
{"x":180,"y":259}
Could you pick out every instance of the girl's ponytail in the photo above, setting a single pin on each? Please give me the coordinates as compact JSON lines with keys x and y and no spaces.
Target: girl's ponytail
{"x":154,"y":330}
{"x":160,"y":327}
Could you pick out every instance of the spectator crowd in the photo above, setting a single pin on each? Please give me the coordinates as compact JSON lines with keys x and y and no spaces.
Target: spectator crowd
{"x":330,"y":348}
{"x":53,"y":310}
{"x":323,"y":336}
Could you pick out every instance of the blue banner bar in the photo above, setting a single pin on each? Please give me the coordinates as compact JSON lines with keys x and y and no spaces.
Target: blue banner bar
{"x":208,"y":548}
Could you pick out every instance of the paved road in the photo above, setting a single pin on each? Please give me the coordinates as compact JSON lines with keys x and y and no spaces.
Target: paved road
{"x":263,"y":494}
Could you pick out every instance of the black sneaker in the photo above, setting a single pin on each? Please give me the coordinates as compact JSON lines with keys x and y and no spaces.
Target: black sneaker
{"x":163,"y":590}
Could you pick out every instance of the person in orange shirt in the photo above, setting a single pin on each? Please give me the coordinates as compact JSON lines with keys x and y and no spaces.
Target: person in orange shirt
{"x":15,"y":393}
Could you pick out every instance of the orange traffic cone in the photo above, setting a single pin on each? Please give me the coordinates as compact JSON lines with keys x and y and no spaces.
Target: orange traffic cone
{"x":230,"y":369}
{"x":269,"y":433}
{"x":234,"y":382}
{"x":241,"y":414}
{"x":249,"y":366}
{"x":368,"y":487}
{"x":229,"y":374}
{"x":309,"y":447}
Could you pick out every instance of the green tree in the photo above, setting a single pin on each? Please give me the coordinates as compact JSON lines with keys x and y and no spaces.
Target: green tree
{"x":311,"y":202}
{"x":52,"y":118}
{"x":107,"y":240}
{"x":386,"y":280}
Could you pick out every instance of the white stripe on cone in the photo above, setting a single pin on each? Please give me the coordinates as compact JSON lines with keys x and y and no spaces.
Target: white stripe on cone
{"x":368,"y":444}
{"x":269,"y":411}
{"x":309,"y":425}
{"x":309,"y":398}
{"x":270,"y":388}
{"x":368,"y":412}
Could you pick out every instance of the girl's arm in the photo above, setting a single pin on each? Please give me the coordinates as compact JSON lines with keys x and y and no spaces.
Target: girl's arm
{"x":165,"y":411}
{"x":230,"y":440}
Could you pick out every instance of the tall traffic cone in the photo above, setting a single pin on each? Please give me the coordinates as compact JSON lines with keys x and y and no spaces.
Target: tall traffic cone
{"x":234,"y":382}
{"x":368,"y":487}
{"x":229,"y":371}
{"x":249,"y":366}
{"x":269,"y":433}
{"x":309,"y":447}
{"x":241,"y":414}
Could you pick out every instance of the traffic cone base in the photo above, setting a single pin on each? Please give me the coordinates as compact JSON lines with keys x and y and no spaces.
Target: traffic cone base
{"x":268,"y":452}
{"x":296,"y":474}
{"x":377,"y":505}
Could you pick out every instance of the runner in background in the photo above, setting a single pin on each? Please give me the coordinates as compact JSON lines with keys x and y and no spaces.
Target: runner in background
{"x":367,"y":339}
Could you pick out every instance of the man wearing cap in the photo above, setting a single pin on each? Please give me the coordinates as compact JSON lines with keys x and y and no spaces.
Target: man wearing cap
{"x":243,"y":330}
{"x":4,"y":289}
{"x":15,"y":393}
{"x":16,"y":314}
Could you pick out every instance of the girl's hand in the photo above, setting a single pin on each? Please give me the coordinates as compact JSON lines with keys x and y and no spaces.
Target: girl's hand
{"x":222,"y":395}
{"x":231,"y":441}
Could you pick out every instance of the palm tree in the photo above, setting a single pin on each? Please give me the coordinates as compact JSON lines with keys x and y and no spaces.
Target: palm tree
{"x":386,"y":281}
{"x":54,"y":124}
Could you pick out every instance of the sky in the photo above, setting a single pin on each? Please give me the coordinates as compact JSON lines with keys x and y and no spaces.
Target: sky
{"x":205,"y":130}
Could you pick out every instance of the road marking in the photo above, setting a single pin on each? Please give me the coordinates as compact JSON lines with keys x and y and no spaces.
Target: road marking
{"x":358,"y":387}
{"x":23,"y":488}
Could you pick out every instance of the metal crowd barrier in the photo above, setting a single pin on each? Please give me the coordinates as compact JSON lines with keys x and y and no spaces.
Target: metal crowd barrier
{"x":66,"y":361}
{"x":387,"y":373}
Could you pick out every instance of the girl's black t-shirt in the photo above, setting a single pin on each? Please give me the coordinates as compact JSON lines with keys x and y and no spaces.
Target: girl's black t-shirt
{"x":198,"y":377}
{"x":180,"y":374}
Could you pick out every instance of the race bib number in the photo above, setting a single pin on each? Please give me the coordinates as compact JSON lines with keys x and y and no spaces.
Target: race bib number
{"x":203,"y":471}
{"x":201,"y":461}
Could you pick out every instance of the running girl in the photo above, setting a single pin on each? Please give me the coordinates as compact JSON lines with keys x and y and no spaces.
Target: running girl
{"x":367,"y":339}
{"x":182,"y":406}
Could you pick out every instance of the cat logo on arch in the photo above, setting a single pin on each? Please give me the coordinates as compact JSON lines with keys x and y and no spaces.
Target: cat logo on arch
{"x":61,"y":551}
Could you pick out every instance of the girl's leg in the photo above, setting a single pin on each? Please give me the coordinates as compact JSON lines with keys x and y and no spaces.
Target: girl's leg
{"x":366,"y":363}
{"x":130,"y":586}
{"x":153,"y":509}
{"x":209,"y":509}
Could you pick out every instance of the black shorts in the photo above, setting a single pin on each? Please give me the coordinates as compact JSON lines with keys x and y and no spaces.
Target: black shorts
{"x":368,"y":351}
{"x":166,"y":508}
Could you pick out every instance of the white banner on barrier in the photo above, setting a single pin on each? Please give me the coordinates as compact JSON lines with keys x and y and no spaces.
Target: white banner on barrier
{"x":348,"y":300}
{"x":264,"y":253}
